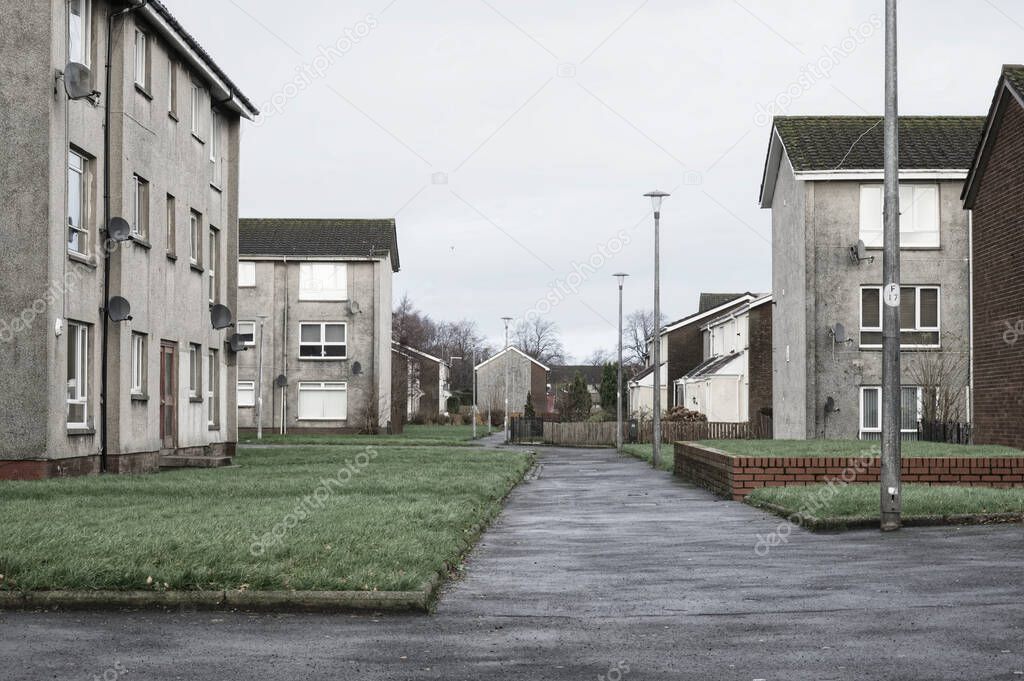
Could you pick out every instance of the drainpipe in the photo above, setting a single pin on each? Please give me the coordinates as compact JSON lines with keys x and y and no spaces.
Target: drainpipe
{"x":105,"y":344}
{"x":970,"y":317}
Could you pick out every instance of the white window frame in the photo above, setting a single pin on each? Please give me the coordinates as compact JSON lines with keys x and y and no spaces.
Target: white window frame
{"x":212,"y":388}
{"x":911,"y":194}
{"x":78,"y":392}
{"x":138,"y":364}
{"x":194,"y":227}
{"x":325,"y":386}
{"x":246,"y":387}
{"x":172,"y":88}
{"x":211,"y":263}
{"x":312,"y":279}
{"x":85,"y":39}
{"x":140,"y":206}
{"x":141,"y":58}
{"x":195,"y":370}
{"x":918,"y":328}
{"x":214,"y":134}
{"x":195,"y":106}
{"x":878,"y":391}
{"x":171,"y":226}
{"x":323,"y":343}
{"x":245,"y":280}
{"x":238,"y":330}
{"x":77,"y":172}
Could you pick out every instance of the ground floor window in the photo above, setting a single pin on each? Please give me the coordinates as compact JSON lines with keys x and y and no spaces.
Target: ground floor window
{"x":323,"y":401}
{"x":195,"y":370}
{"x":78,"y":375}
{"x":247,"y":393}
{"x":138,"y":364}
{"x":871,"y":410}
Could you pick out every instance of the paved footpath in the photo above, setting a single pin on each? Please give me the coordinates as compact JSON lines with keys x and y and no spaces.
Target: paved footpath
{"x":602,"y":568}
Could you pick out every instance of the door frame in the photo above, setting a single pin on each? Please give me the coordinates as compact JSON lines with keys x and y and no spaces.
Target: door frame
{"x":168,"y":432}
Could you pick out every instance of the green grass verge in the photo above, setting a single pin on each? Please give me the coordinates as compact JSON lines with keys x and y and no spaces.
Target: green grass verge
{"x":404,"y":515}
{"x":646,"y":453}
{"x":413,"y":436}
{"x":852,"y":448}
{"x":838,"y":505}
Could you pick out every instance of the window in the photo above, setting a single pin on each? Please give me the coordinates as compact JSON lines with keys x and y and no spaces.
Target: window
{"x":172,"y":226}
{"x":323,"y":281}
{"x":919,"y":316}
{"x":78,"y":232}
{"x":138,"y":364}
{"x":212,"y":389}
{"x":322,"y":340}
{"x":919,"y":215}
{"x":323,"y":401}
{"x":246,"y":275}
{"x":79,"y":31}
{"x":140,"y":206}
{"x":172,"y":88}
{"x":214,"y":134}
{"x":194,"y":220}
{"x":247,"y":393}
{"x":195,"y":371}
{"x":871,"y":410}
{"x":211,"y":264}
{"x":141,"y":59}
{"x":247,"y":331}
{"x":78,"y":375}
{"x":196,"y":105}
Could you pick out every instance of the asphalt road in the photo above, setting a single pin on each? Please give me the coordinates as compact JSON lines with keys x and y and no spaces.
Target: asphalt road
{"x":602,"y":568}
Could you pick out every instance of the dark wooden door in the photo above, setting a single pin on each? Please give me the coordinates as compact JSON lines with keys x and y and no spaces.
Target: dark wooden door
{"x":168,"y":396}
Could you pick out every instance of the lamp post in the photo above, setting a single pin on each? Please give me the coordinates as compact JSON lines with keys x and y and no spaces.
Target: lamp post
{"x":506,"y":320}
{"x":621,"y":276}
{"x":656,"y":199}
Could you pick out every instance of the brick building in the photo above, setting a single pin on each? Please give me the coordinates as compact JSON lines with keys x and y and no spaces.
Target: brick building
{"x":994,"y":192}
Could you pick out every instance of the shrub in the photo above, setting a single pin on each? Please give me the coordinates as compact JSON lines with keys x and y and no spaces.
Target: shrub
{"x":681,"y":413}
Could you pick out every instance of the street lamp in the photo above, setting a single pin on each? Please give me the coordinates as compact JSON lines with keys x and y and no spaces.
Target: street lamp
{"x":656,"y":199}
{"x":621,"y":276}
{"x":506,"y":320}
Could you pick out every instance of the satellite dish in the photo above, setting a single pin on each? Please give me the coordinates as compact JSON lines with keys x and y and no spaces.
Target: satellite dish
{"x":78,"y":81}
{"x":830,"y":406}
{"x":859,"y":253}
{"x":119,"y":309}
{"x":353,"y":307}
{"x":220,"y":317}
{"x":839,"y":332}
{"x":236,"y":343}
{"x":281,"y":381}
{"x":118,"y":229}
{"x":357,"y":368}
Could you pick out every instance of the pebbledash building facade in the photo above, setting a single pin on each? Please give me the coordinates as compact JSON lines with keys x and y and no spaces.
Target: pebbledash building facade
{"x":110,"y":355}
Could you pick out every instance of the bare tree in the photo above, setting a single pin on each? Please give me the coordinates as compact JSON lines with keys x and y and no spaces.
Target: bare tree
{"x":637,"y":334}
{"x":460,"y":339}
{"x":942,"y":377}
{"x":539,"y":339}
{"x":599,"y":357}
{"x":411,"y":327}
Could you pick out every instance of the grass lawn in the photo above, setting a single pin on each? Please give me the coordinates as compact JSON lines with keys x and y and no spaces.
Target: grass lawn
{"x":393,"y":521}
{"x":861,"y":501}
{"x":852,"y":448}
{"x":646,"y":452}
{"x":412,"y":436}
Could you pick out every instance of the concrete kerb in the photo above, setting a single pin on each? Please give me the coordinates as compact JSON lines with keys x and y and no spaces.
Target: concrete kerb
{"x":847,"y":523}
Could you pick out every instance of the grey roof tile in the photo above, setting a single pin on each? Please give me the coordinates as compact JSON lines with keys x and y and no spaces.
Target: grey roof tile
{"x":316,"y":237}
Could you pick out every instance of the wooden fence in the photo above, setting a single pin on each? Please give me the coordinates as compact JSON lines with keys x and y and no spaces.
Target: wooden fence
{"x":602,"y":434}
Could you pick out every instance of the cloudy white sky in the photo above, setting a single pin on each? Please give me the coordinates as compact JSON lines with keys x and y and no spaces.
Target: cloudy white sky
{"x":513,"y":139}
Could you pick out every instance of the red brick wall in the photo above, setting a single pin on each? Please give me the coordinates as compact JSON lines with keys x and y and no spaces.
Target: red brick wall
{"x":999,"y":287}
{"x":759,"y":360}
{"x":734,"y":477}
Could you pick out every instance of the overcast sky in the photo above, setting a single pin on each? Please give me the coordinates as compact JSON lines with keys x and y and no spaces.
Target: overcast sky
{"x":513,"y":139}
